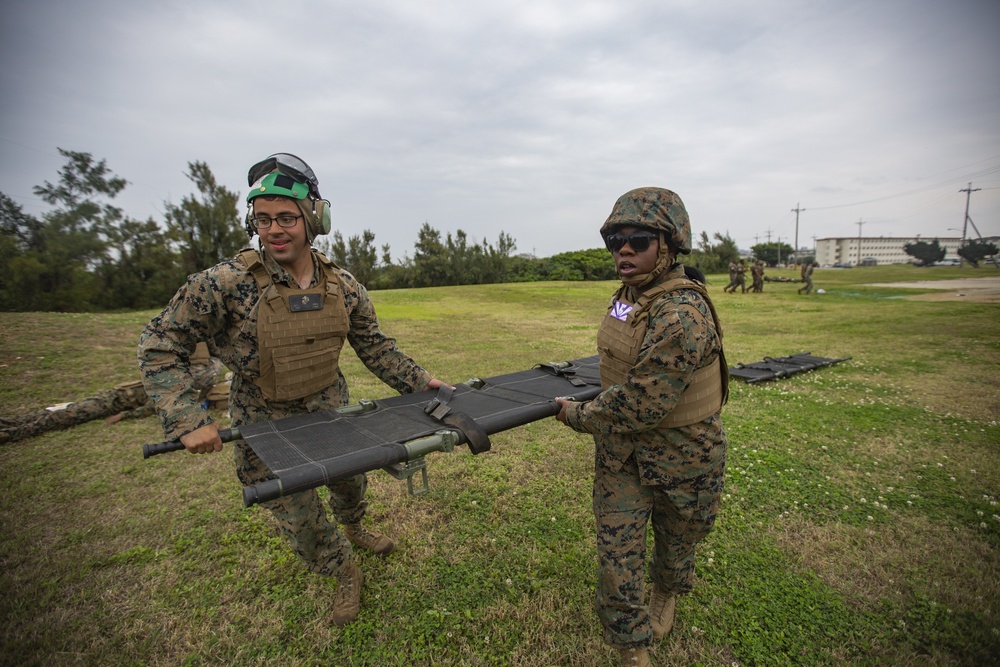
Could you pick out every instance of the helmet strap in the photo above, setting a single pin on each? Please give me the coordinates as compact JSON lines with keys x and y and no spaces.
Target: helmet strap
{"x":665,"y":257}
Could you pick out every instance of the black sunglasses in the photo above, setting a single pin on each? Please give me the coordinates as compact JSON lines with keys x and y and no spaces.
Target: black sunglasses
{"x":639,"y":241}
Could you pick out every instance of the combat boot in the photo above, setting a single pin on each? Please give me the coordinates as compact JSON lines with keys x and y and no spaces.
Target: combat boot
{"x":368,"y":539}
{"x":634,"y":656}
{"x":347,"y":602}
{"x":661,"y":611}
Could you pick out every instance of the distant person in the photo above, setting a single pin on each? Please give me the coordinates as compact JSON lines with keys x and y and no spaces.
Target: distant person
{"x":807,"y":277}
{"x":757,"y":274}
{"x":660,"y":444}
{"x":737,"y":277}
{"x":280,"y":317}
{"x":126,"y":401}
{"x":741,"y":276}
{"x":733,"y":269}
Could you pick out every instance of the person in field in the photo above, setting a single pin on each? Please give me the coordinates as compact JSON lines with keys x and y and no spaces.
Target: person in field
{"x":279,"y":317}
{"x":660,"y":444}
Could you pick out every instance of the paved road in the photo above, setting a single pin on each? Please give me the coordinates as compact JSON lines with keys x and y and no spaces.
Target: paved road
{"x":986,"y":290}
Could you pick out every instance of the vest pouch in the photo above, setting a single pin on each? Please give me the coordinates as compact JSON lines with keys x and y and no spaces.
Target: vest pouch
{"x":299,"y":346}
{"x":304,"y":369}
{"x":613,"y":370}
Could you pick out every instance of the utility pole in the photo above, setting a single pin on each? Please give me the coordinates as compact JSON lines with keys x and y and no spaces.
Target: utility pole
{"x":797,"y":210}
{"x":859,"y":223}
{"x":965,"y":223}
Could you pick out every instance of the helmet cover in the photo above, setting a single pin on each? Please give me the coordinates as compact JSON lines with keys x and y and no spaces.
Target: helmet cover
{"x":277,"y":184}
{"x":652,"y":208}
{"x":289,"y":164}
{"x":315,"y":212}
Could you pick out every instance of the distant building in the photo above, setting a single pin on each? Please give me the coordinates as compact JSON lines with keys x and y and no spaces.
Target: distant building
{"x":876,"y":250}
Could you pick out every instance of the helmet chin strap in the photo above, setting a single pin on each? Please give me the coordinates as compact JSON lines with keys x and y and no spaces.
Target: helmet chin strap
{"x":664,"y":260}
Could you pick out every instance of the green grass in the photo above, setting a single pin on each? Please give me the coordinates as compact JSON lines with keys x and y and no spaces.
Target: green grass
{"x":860,"y":523}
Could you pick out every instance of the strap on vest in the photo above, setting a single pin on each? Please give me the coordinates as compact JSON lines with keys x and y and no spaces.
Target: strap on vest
{"x":250,"y":258}
{"x":569,"y":374}
{"x":438,"y":408}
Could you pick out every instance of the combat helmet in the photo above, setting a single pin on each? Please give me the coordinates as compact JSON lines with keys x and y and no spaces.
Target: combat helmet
{"x":285,"y":175}
{"x":652,"y":208}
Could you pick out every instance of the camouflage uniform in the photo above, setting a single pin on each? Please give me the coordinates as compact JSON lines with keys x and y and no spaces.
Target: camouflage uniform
{"x":757,"y":272}
{"x":733,"y":281}
{"x":221,"y":305}
{"x":646,"y":469}
{"x":129,"y":398}
{"x":741,"y":277}
{"x":807,"y":278}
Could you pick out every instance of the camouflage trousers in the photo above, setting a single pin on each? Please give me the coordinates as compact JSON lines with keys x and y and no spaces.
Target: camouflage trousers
{"x":303,"y":519}
{"x":681,"y":515}
{"x":103,"y":404}
{"x":129,"y":398}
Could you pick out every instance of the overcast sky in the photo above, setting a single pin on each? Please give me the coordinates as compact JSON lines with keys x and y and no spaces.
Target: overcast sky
{"x":529,"y":117}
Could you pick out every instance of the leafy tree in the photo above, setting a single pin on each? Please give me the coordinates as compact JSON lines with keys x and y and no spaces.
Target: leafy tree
{"x":389,"y":274}
{"x":23,"y":230}
{"x":592,"y":264}
{"x":526,"y":268}
{"x":358,"y":255}
{"x":498,"y":258}
{"x":431,"y":262}
{"x":49,"y":263}
{"x":714,"y":257}
{"x":145,"y":270}
{"x":20,"y":234}
{"x":333,"y":246}
{"x":774,"y":253}
{"x":465,"y":262}
{"x":208,"y":230}
{"x":925,"y":253}
{"x":975,"y":251}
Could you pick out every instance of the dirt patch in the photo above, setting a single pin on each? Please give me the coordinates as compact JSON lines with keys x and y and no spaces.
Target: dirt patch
{"x":980,"y":290}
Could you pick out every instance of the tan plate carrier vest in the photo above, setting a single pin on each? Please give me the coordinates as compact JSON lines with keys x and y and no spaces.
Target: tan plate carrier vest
{"x":300,"y":332}
{"x":619,"y":342}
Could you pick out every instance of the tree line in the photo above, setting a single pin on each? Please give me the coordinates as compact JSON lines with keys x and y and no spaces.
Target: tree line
{"x":926,"y":253}
{"x":85,"y":254}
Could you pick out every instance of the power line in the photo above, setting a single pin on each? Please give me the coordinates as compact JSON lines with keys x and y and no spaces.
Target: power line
{"x":951,"y":181}
{"x":859,"y":223}
{"x":797,"y":210}
{"x":968,"y":190}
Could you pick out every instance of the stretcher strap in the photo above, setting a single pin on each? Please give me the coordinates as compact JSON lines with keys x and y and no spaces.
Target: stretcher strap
{"x":438,"y":408}
{"x":568,"y":373}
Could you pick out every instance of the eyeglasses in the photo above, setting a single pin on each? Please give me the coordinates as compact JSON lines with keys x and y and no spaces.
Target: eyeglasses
{"x":287,"y":164}
{"x":638,"y":241}
{"x":284,"y":221}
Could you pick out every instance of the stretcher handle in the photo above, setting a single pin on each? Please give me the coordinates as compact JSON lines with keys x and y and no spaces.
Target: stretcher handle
{"x":152,"y":449}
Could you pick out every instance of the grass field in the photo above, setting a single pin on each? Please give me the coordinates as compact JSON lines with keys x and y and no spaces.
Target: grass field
{"x":860,"y":523}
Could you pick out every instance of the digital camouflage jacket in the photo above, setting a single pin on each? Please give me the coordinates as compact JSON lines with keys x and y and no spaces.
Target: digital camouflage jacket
{"x":220,"y":304}
{"x":625,"y":419}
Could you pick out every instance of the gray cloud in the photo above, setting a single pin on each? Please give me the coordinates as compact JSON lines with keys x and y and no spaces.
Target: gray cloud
{"x":526,"y":117}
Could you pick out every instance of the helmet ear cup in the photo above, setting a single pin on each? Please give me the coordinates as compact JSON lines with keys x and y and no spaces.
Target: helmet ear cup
{"x":248,"y":223}
{"x":321,"y":208}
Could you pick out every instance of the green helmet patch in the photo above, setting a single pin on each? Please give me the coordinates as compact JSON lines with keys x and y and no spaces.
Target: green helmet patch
{"x":277,"y":184}
{"x":653,"y":208}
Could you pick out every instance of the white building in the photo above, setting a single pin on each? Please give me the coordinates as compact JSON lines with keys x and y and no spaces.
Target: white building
{"x":883,"y":249}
